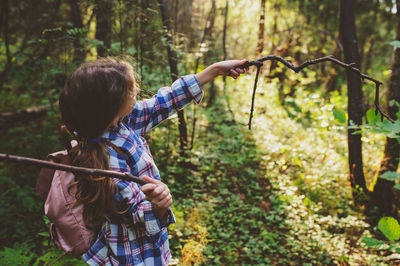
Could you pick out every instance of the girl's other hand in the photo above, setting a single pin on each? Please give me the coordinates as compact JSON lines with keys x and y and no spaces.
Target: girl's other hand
{"x":158,"y":194}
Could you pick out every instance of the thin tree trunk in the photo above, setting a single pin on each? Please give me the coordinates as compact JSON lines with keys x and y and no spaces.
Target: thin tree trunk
{"x":104,"y":15}
{"x":331,"y":84}
{"x":173,"y":64}
{"x":383,"y":195}
{"x":75,"y":15}
{"x":4,"y":22}
{"x":143,"y":4}
{"x":354,"y":94}
{"x":224,"y":57}
{"x":208,"y":31}
{"x":368,"y":57}
{"x":260,"y":45}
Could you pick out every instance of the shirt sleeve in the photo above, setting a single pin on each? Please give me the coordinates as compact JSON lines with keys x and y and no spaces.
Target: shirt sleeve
{"x":168,"y":100}
{"x":142,"y":210}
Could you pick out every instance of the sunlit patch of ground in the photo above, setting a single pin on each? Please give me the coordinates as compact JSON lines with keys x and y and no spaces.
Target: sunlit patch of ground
{"x":306,"y":158}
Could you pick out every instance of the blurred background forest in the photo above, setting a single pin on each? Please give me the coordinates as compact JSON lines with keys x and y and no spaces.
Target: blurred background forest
{"x":280,"y":193}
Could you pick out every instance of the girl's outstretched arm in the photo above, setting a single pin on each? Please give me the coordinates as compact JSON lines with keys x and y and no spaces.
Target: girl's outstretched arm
{"x":223,"y":68}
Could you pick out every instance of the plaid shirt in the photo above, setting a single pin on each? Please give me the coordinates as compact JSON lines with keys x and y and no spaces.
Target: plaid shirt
{"x":145,"y":242}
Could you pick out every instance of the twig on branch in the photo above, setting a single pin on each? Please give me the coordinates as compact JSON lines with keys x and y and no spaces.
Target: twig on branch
{"x":254,"y":94}
{"x":351,"y":66}
{"x":70,"y":168}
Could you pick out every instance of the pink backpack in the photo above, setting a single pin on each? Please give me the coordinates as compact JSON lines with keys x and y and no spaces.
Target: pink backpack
{"x":67,"y":228}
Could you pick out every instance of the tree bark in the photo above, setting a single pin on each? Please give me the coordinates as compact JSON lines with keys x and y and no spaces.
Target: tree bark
{"x":209,"y":55}
{"x":4,"y":29}
{"x":173,"y":64}
{"x":260,"y":45}
{"x":104,"y":15}
{"x":225,"y":56}
{"x":383,"y":195}
{"x":354,"y":93}
{"x":75,"y":15}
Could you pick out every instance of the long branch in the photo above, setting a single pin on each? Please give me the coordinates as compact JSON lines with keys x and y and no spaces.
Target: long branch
{"x":259,"y":63}
{"x":70,"y":168}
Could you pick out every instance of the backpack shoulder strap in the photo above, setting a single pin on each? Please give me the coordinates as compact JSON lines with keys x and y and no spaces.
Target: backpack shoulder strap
{"x":46,"y":175}
{"x":112,"y":145}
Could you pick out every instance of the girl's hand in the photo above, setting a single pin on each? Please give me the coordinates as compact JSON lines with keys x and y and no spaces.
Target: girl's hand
{"x":230,"y":68}
{"x":158,"y":194}
{"x":224,"y":68}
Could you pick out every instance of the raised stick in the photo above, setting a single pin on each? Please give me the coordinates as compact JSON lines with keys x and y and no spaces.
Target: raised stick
{"x":297,"y":69}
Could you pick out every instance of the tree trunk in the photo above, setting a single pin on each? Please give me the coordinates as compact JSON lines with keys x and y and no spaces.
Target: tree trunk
{"x":383,"y":195}
{"x":354,"y":94}
{"x":209,"y":55}
{"x":173,"y":64}
{"x":260,"y":45}
{"x":4,"y":29}
{"x":224,"y":57}
{"x":181,"y":14}
{"x":75,"y":15}
{"x":104,"y":16}
{"x":331,"y":84}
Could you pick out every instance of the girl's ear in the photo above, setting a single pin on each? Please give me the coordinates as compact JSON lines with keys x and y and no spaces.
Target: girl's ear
{"x":66,"y":137}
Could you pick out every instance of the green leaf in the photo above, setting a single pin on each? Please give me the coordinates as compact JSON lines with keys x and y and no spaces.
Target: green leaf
{"x":390,"y":228}
{"x":391,"y":176}
{"x":45,"y":234}
{"x":374,"y":243}
{"x":395,"y":43}
{"x":372,"y":117}
{"x":340,"y":116}
{"x":397,"y":186}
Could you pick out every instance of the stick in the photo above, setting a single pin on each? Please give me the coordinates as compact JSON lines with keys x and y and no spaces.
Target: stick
{"x":330,"y":58}
{"x":72,"y":169}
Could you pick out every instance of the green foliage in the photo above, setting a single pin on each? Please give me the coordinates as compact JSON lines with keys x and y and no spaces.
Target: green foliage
{"x":374,"y":243}
{"x":16,"y":256}
{"x":57,"y":258}
{"x":377,"y":126}
{"x":395,"y":44}
{"x":390,"y":228}
{"x":391,"y":176}
{"x":340,"y":116}
{"x":373,"y":116}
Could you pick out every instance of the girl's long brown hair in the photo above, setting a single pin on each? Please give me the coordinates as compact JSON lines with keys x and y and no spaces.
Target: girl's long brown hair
{"x":92,"y":97}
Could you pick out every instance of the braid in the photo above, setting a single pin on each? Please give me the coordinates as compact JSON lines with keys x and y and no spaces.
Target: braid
{"x":91,"y":99}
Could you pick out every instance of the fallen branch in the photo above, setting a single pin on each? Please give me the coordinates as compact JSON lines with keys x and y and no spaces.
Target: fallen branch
{"x":9,"y":119}
{"x":259,"y":63}
{"x":70,"y":168}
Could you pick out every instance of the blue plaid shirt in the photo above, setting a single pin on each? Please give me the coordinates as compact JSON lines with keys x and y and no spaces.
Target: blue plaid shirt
{"x":146,"y":241}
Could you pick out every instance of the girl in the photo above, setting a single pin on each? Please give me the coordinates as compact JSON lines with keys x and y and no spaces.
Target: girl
{"x":98,"y":104}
